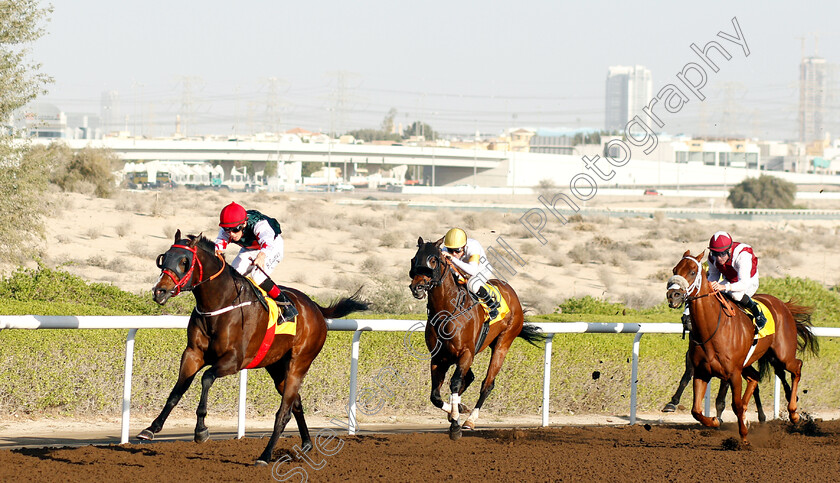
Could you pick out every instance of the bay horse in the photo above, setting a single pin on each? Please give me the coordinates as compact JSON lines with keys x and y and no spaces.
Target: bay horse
{"x":722,"y":343}
{"x":227,"y":331}
{"x":453,"y":330}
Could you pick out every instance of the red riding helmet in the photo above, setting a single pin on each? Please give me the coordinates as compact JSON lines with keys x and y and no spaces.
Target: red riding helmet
{"x":720,"y":242}
{"x":232,"y":215}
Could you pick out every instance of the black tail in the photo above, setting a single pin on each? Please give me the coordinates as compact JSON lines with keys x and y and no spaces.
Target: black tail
{"x":344,"y":306}
{"x":802,"y":316}
{"x":532,"y":334}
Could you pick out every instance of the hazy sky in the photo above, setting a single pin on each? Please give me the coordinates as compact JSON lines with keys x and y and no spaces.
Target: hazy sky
{"x":460,"y":66}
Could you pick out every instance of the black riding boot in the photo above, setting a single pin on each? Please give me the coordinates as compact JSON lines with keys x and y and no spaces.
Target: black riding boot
{"x":758,"y":317}
{"x":489,"y":301}
{"x":686,"y":322}
{"x":288,"y":311}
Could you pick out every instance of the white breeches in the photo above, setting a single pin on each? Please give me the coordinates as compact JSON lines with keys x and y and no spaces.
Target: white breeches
{"x":243,"y":263}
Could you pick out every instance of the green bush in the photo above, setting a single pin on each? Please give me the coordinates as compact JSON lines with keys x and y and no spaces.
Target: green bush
{"x":763,"y":192}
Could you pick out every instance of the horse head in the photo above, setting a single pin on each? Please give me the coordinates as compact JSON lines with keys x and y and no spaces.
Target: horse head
{"x":687,"y":280}
{"x":427,"y":268}
{"x":181,"y":267}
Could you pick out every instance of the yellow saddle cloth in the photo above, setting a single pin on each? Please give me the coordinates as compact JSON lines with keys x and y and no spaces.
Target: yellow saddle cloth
{"x":287,"y":327}
{"x":769,"y":327}
{"x":504,"y":309}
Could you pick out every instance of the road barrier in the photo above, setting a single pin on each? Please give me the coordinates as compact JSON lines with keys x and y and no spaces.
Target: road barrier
{"x":358,"y":326}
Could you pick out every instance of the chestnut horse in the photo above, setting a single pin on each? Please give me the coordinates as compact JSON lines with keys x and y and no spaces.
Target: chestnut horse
{"x":722,"y":344}
{"x":453,"y":328}
{"x":227,"y":330}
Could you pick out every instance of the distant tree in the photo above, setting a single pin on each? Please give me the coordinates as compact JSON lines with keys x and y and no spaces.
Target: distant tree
{"x":270,"y":169}
{"x":418,"y":128}
{"x":307,"y":169}
{"x":23,"y":179}
{"x":763,"y":192}
{"x":388,"y":122}
{"x":89,"y":171}
{"x":368,"y":135}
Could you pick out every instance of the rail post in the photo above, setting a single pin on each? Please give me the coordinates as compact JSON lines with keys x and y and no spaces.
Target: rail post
{"x":546,"y":379}
{"x":129,"y":367}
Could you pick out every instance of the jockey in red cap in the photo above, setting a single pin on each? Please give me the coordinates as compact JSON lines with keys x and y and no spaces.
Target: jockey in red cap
{"x":262,"y":246}
{"x":738,"y":266}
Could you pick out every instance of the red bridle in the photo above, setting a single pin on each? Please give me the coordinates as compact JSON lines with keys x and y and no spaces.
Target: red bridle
{"x":181,"y":285}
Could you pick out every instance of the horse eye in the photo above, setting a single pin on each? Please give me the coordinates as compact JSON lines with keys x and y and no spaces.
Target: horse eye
{"x":184,"y":262}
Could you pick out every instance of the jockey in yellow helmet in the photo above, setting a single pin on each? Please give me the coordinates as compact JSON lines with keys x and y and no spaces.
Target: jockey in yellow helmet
{"x":468,"y":256}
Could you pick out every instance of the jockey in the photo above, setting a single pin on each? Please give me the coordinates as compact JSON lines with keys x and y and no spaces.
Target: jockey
{"x":468,"y":256}
{"x":262,"y":246}
{"x":738,"y":265}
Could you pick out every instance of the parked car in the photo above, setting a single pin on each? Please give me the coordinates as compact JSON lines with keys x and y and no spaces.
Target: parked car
{"x":652,"y":192}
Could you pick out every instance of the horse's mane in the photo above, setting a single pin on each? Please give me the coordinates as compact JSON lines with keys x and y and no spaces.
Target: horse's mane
{"x":204,"y":243}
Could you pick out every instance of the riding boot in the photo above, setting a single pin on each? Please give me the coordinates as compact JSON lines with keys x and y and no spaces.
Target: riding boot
{"x":288,"y":311}
{"x":686,"y":322}
{"x":758,"y":317}
{"x":489,"y":301}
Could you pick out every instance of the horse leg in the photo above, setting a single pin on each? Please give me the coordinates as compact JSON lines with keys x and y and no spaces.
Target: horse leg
{"x":700,"y":385}
{"x":720,"y":400}
{"x":291,"y":395}
{"x":438,"y":371}
{"x":752,"y":376}
{"x":191,"y":361}
{"x":278,"y":371}
{"x":456,"y":387}
{"x":738,"y":406}
{"x":496,"y":360}
{"x":686,"y":377}
{"x":225,"y":367}
{"x":794,"y":366}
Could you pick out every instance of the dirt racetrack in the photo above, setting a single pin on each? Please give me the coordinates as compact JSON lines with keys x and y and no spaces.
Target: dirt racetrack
{"x":683,"y":452}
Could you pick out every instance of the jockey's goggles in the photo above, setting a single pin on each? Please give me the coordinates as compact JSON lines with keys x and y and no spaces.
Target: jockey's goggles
{"x":234,"y":229}
{"x":457,"y":250}
{"x":724,"y":253}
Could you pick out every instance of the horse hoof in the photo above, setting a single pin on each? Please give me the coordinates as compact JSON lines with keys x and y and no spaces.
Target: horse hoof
{"x":260,"y":463}
{"x":306,"y":446}
{"x":468,"y":425}
{"x":669,"y":408}
{"x":202,"y":436}
{"x":455,"y":432}
{"x":462,"y":408}
{"x":146,"y":435}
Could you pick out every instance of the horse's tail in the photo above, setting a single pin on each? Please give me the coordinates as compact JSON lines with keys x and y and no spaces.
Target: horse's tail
{"x":344,"y":306}
{"x":532,"y":334}
{"x":802,"y":316}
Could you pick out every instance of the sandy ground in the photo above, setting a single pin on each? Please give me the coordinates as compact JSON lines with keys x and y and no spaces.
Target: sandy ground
{"x":642,"y":452}
{"x":331,"y":248}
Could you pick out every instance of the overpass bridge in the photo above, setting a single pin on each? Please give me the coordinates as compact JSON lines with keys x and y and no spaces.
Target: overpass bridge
{"x":450,"y":165}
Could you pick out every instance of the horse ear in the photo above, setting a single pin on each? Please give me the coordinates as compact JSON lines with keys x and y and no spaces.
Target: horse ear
{"x":177,"y":235}
{"x":420,"y":241}
{"x":194,"y":241}
{"x":701,"y":255}
{"x":687,"y":253}
{"x":439,"y":243}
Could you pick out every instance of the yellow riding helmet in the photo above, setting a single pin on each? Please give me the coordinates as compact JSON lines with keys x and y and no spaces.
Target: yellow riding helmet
{"x":455,"y":238}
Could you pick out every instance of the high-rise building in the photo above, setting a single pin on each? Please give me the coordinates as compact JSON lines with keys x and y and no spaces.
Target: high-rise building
{"x":813,"y":88}
{"x":110,"y":111}
{"x":629,"y":89}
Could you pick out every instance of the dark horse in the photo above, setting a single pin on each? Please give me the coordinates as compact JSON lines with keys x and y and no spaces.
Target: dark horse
{"x":453,"y":328}
{"x":227,"y":329}
{"x":722,"y":343}
{"x":720,"y":400}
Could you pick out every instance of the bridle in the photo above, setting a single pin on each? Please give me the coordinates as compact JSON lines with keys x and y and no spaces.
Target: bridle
{"x":437,"y":273}
{"x":183,"y":282}
{"x":679,"y":282}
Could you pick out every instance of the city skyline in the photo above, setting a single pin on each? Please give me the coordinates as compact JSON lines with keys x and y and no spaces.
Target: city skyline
{"x":539,"y":66}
